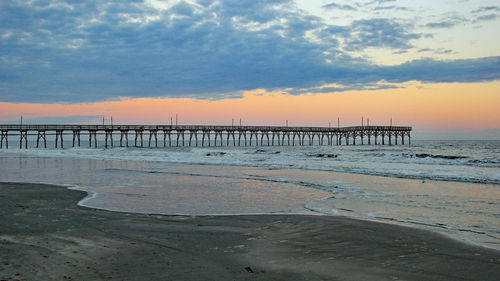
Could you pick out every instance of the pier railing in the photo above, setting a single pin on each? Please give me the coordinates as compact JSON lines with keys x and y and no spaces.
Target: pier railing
{"x":240,"y":135}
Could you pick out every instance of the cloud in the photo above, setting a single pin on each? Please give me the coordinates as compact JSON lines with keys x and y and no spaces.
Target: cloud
{"x":489,"y":17}
{"x":342,"y":88}
{"x":425,"y":70}
{"x":440,"y":51}
{"x":429,"y":70}
{"x":441,"y":24}
{"x":393,"y":7}
{"x":83,"y":51}
{"x":487,"y":9}
{"x":339,"y":7}
{"x":447,"y":22}
{"x":379,"y":32}
{"x":378,"y":2}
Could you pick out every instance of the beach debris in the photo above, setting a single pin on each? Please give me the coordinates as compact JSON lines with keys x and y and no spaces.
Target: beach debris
{"x":323,"y":155}
{"x":249,"y":269}
{"x":449,"y":157}
{"x":216,"y":153}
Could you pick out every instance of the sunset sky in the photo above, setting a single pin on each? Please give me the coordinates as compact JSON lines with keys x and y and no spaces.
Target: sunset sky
{"x":433,"y":65}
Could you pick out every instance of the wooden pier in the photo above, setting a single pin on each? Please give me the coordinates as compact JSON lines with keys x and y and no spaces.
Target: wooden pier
{"x":191,"y":135}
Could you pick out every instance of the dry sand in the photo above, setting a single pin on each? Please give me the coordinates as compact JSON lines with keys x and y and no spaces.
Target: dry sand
{"x":44,"y":235}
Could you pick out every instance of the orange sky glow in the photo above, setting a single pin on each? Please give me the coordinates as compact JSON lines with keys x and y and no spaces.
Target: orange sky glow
{"x":426,"y":107}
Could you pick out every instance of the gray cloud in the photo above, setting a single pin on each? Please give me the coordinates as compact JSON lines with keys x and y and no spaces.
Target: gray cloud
{"x":488,"y":17}
{"x":378,"y":2}
{"x":487,"y":9}
{"x":439,"y":51}
{"x":447,"y":22}
{"x":429,"y":70}
{"x":81,"y":51}
{"x":339,"y":7}
{"x":352,"y":87}
{"x":379,"y":33}
{"x":441,"y":24}
{"x":393,"y":7}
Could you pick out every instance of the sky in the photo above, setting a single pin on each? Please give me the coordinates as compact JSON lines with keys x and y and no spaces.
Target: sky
{"x":432,"y":65}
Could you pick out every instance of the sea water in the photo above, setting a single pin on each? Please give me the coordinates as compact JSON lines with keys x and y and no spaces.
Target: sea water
{"x":451,"y":187}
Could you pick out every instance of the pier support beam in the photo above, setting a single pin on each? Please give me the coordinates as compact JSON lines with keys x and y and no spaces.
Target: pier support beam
{"x":138,"y":133}
{"x":23,"y":135}
{"x":274,"y":135}
{"x":165,"y":134}
{"x":231,"y":134}
{"x":59,"y":136}
{"x":124,"y":133}
{"x":287,"y":135}
{"x":41,"y":135}
{"x":239,"y":138}
{"x":180,"y":134}
{"x":153,"y":134}
{"x":109,"y":134}
{"x":207,"y":134}
{"x":195,"y":134}
{"x":256,"y":138}
{"x":93,"y":135}
{"x":218,"y":134}
{"x":76,"y":137}
{"x":322,"y":139}
{"x":262,"y":138}
{"x":4,"y":137}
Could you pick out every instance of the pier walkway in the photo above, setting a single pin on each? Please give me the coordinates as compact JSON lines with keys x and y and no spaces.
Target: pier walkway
{"x":191,"y":135}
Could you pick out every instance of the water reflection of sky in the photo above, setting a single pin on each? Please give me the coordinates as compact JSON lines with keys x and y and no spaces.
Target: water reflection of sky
{"x":464,"y":210}
{"x":179,"y":189}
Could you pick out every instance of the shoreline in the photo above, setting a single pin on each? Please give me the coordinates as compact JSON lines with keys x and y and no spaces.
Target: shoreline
{"x":45,"y":235}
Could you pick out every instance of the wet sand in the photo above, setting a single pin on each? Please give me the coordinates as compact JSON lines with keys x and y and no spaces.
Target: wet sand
{"x":44,"y":235}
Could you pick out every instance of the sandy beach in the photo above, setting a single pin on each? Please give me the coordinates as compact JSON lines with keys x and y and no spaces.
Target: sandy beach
{"x":44,"y":235}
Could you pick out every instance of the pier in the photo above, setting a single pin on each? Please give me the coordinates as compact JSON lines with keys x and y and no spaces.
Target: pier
{"x":205,"y":135}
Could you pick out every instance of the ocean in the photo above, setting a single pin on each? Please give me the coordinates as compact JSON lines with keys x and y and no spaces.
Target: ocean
{"x":452,"y":187}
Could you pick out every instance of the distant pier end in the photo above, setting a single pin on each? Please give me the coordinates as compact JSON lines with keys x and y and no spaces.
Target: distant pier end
{"x":206,"y":135}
